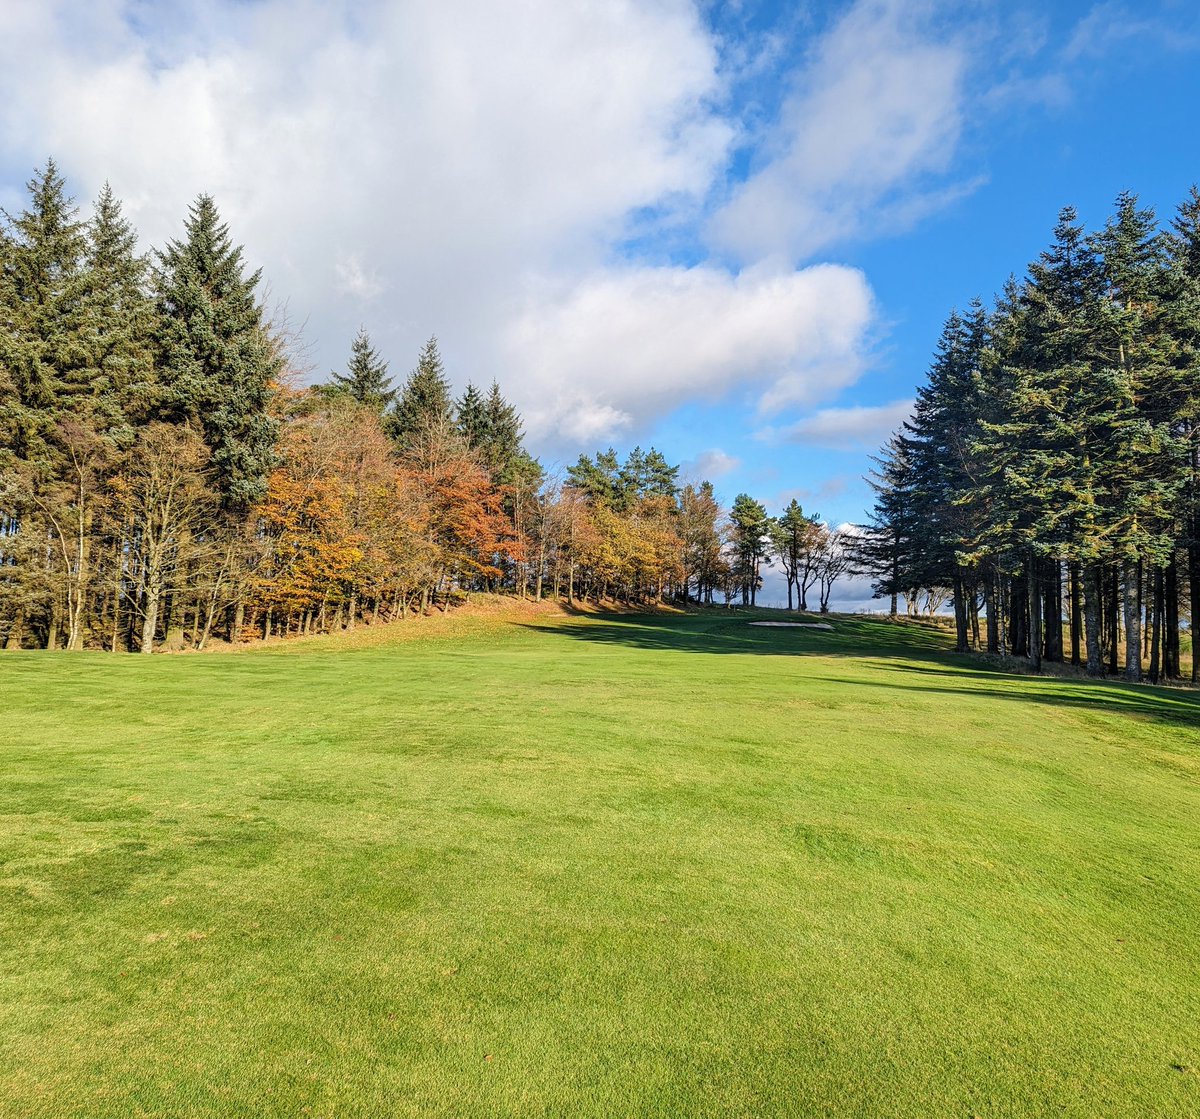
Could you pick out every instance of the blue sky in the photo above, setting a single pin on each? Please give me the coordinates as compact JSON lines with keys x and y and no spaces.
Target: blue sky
{"x":732,"y":230}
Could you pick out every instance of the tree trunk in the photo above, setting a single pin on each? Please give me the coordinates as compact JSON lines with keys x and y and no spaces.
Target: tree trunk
{"x":1133,"y":625}
{"x":1053,"y":611}
{"x":960,"y":612}
{"x":1033,"y":585}
{"x":991,"y":605}
{"x":1114,"y":619}
{"x":150,"y":619}
{"x":16,"y":635}
{"x":1171,"y":668}
{"x":1073,"y":575}
{"x":1092,"y":615}
{"x":1156,"y":626}
{"x":1018,"y":631}
{"x":1194,"y":581}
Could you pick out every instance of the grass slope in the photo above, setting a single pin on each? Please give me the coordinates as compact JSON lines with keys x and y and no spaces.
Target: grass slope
{"x":654,"y":866}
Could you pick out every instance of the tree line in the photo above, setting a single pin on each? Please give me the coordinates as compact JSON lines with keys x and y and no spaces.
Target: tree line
{"x":1049,"y":476}
{"x":165,"y":480}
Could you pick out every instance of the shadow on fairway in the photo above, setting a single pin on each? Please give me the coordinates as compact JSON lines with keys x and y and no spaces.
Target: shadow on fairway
{"x":889,"y":647}
{"x":721,"y":632}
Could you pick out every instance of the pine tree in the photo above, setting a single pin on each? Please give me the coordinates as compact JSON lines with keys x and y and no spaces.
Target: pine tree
{"x":1146,"y":461}
{"x":216,"y":357}
{"x":501,"y":443}
{"x":471,"y":414}
{"x":42,"y":327}
{"x":884,"y":548}
{"x":119,"y":379}
{"x":424,"y":402}
{"x":943,"y":428}
{"x":597,"y":479}
{"x":750,"y":525}
{"x":365,"y":380}
{"x":1183,"y":306}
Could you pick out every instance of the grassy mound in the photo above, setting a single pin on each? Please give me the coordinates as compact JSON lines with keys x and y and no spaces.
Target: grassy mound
{"x":596,"y":865}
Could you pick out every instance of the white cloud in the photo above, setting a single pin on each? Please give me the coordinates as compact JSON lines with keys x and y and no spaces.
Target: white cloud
{"x":353,"y":277}
{"x":1108,"y":26}
{"x":850,"y":429}
{"x":628,"y":344}
{"x":877,"y":116}
{"x":709,"y":465}
{"x":466,"y":169}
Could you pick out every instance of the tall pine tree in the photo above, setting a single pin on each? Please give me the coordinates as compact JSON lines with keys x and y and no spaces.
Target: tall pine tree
{"x":216,"y":357}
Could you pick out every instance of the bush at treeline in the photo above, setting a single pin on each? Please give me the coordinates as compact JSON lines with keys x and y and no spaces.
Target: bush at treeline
{"x":1050,"y":475}
{"x":165,"y":479}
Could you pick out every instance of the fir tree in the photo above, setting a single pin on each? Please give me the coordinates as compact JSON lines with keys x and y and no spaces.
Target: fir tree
{"x":424,"y":402}
{"x":885,"y":547}
{"x":471,"y":415}
{"x":42,"y":317}
{"x":120,"y":376}
{"x":502,"y":451}
{"x":216,"y":357}
{"x":1183,"y":306}
{"x":365,"y":380}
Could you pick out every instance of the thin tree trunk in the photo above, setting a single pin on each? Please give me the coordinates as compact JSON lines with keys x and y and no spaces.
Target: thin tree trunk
{"x":1171,"y":667}
{"x":1133,"y":624}
{"x":1156,"y":625}
{"x":1053,"y":611}
{"x":991,"y":606}
{"x":1076,"y":612}
{"x":1033,"y":585}
{"x":1092,"y":617}
{"x":1114,"y":619}
{"x":1194,"y":581}
{"x":960,"y":612}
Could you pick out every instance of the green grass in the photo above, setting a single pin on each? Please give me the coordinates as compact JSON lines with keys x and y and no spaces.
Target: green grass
{"x":583,"y":866}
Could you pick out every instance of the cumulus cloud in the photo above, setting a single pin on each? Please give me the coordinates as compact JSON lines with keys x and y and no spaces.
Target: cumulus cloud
{"x":709,"y":465}
{"x":850,"y":429}
{"x":875,"y":119}
{"x":472,"y":170}
{"x":633,"y":342}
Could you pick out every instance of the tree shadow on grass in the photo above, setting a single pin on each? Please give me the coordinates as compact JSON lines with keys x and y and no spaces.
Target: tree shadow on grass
{"x":1168,"y":705}
{"x":731,"y":632}
{"x":920,"y":657}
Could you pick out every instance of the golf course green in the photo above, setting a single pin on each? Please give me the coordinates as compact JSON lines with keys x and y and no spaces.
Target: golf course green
{"x":547,"y":864}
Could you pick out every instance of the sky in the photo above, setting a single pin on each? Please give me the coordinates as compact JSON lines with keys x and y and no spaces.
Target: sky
{"x":731,"y":230}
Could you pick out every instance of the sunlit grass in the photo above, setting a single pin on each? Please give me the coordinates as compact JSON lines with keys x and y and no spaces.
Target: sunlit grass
{"x":573,"y":866}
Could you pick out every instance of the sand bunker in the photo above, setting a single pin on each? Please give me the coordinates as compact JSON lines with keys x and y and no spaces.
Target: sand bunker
{"x":795,"y":625}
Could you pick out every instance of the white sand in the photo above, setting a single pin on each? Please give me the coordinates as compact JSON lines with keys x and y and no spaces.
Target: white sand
{"x":795,"y":625}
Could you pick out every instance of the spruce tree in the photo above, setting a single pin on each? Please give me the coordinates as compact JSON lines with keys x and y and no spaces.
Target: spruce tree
{"x":502,"y":448}
{"x":1146,"y":460}
{"x":471,"y":414}
{"x":425,"y":400}
{"x":365,"y":380}
{"x":216,"y":357}
{"x":119,"y":379}
{"x":42,"y":316}
{"x":885,"y":547}
{"x":1183,"y":304}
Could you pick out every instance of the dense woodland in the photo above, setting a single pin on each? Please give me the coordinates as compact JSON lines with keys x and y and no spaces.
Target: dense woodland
{"x":166,"y":480}
{"x":1049,"y":477}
